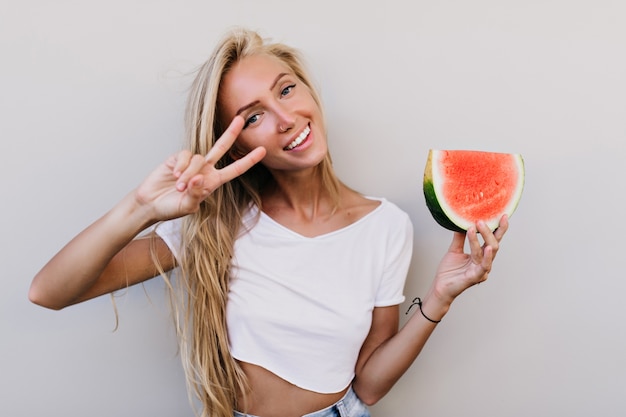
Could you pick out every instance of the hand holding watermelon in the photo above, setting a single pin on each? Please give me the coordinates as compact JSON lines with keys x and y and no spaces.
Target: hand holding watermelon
{"x":458,"y":270}
{"x":471,"y":193}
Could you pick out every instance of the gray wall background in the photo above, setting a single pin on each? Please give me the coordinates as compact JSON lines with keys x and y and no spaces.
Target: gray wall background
{"x":91,"y":99}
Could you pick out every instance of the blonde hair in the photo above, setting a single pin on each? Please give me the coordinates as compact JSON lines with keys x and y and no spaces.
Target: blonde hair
{"x":208,"y":236}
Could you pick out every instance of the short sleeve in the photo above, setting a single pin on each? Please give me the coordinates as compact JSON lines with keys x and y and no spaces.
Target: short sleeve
{"x":399,"y":251}
{"x":170,"y":232}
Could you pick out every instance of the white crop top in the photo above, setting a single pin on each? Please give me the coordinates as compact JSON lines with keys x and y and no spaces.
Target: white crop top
{"x":302,"y":307}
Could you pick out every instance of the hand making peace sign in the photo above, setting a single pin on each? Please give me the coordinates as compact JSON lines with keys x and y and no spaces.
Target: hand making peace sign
{"x":178,"y":186}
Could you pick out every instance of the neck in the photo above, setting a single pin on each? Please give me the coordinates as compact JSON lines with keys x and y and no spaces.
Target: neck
{"x":303,"y":193}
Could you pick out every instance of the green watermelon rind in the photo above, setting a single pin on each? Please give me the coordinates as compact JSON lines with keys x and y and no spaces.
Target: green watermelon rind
{"x":435,"y":209}
{"x":444,"y":217}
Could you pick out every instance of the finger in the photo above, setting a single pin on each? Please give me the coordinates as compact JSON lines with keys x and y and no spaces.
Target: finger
{"x":487,"y":261}
{"x":476,"y":250}
{"x":485,"y":232}
{"x":490,"y":239}
{"x":181,"y":162}
{"x":223,"y":144}
{"x":242,"y":165}
{"x":196,"y":163}
{"x":196,"y":188}
{"x":479,"y":272}
{"x":193,"y":194}
{"x":458,"y":243}
{"x":502,"y":227}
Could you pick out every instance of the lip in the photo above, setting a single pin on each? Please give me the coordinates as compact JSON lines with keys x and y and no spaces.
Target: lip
{"x":305,"y":141}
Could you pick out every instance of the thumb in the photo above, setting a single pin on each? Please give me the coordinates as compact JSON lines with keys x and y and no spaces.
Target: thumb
{"x":458,"y":242}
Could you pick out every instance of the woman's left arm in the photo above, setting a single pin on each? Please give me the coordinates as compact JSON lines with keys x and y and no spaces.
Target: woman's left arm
{"x":387,"y":353}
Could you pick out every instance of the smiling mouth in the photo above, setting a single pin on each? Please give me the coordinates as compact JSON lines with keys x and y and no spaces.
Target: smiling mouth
{"x":299,"y":139}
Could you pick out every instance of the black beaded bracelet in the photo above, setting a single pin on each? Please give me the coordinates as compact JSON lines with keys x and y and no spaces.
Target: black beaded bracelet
{"x":418,"y":301}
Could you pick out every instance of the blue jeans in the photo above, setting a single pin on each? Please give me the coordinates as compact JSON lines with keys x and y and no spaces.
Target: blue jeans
{"x":349,"y":406}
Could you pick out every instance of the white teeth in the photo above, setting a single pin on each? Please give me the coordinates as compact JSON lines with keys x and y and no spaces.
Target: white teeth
{"x":299,"y":139}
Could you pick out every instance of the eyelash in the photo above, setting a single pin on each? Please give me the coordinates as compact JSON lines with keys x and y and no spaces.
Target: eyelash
{"x":248,"y":120}
{"x":289,"y":87}
{"x":283,"y":93}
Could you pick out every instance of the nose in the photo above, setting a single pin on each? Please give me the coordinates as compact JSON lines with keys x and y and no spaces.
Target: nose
{"x":285,"y":119}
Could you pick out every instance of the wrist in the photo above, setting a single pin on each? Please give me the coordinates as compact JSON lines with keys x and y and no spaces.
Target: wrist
{"x":132,"y":215}
{"x":418,"y":302}
{"x":433,"y":313}
{"x":434,"y":307}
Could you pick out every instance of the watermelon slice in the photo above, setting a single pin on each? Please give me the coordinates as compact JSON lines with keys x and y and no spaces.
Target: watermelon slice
{"x":463,"y":186}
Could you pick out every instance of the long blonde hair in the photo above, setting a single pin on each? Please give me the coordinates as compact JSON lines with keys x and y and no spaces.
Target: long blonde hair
{"x":208,"y":236}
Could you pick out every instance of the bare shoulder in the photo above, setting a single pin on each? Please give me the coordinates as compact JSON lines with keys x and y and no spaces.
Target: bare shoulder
{"x":354,"y":206}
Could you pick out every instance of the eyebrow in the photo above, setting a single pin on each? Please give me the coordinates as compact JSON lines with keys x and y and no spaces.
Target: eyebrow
{"x":255,"y":102}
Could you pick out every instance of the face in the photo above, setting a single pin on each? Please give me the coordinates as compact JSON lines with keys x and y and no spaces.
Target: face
{"x":279,"y":111}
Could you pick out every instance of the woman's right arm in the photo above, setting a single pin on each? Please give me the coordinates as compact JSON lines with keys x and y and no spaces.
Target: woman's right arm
{"x":106,"y":256}
{"x":102,"y":258}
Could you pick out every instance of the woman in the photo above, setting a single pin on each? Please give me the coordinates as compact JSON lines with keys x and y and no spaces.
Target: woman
{"x":279,"y":313}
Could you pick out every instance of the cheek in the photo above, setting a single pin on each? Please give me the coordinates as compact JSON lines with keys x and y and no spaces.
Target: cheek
{"x":255,"y":137}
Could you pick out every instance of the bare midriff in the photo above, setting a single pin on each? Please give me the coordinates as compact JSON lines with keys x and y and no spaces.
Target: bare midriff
{"x":271,"y":395}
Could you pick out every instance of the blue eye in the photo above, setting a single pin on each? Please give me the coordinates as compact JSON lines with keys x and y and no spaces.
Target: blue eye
{"x":287,"y":90}
{"x":251,"y":119}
